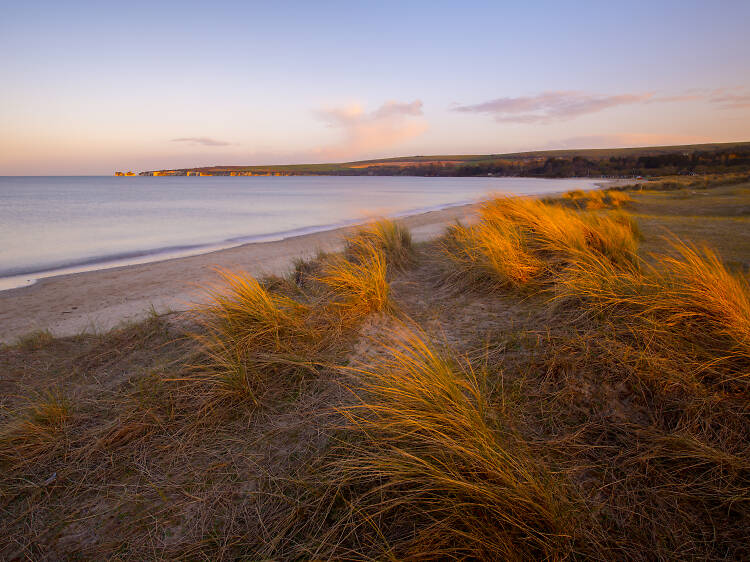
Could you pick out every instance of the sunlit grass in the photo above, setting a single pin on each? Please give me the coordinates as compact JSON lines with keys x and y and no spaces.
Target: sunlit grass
{"x":431,"y":453}
{"x":686,"y":310}
{"x":249,"y":332}
{"x":390,"y":236}
{"x":492,"y":256}
{"x":34,"y":430}
{"x":358,"y":286}
{"x":521,"y":240}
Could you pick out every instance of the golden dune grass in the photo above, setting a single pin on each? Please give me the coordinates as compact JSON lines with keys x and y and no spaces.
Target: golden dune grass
{"x":431,"y":457}
{"x":689,"y":314}
{"x":493,"y":256}
{"x":390,"y":236}
{"x":34,"y":431}
{"x":358,"y":286}
{"x":521,"y":240}
{"x":248,"y":332}
{"x":429,"y":462}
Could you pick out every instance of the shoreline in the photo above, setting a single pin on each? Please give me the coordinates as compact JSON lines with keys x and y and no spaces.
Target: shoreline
{"x":101,"y":299}
{"x":29,"y":278}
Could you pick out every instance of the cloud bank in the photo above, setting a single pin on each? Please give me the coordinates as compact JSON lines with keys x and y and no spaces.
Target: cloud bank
{"x":553,"y":106}
{"x":392,"y":123}
{"x":202,"y":141}
{"x":550,"y":106}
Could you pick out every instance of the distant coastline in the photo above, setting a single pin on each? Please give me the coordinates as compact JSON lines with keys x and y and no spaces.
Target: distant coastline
{"x":652,"y":161}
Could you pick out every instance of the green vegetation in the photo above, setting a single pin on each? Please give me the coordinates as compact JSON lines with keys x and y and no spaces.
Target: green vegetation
{"x":691,"y":160}
{"x":560,"y":379}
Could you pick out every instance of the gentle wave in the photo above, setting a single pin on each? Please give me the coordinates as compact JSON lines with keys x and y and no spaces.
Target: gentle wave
{"x":54,"y":226}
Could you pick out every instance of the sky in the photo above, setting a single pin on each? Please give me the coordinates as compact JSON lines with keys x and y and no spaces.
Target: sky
{"x":94,"y":87}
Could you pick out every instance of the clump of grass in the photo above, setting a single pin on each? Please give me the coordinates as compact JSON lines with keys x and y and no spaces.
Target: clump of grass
{"x":686,"y":311}
{"x":521,"y":240}
{"x":392,"y":237}
{"x":250,"y":331}
{"x":254,"y":317}
{"x":614,"y":236}
{"x":358,"y":287}
{"x":703,"y":303}
{"x":35,"y":430}
{"x":595,"y":199}
{"x":558,"y":233}
{"x":35,"y":340}
{"x":434,"y":476}
{"x":492,"y":256}
{"x":617,"y":199}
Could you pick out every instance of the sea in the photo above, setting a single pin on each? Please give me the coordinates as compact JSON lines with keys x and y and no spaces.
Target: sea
{"x":58,"y":225}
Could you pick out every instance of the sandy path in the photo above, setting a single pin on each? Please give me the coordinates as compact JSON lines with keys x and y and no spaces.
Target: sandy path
{"x":99,"y":300}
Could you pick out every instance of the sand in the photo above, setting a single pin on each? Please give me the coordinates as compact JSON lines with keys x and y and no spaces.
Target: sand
{"x":101,"y":300}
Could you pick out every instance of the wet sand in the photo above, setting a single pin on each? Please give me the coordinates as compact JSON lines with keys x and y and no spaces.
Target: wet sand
{"x":100,"y":300}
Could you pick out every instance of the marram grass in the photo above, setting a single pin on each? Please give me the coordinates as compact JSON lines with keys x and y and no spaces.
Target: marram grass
{"x":249,"y":333}
{"x":358,"y":286}
{"x":389,"y":236}
{"x":428,"y":456}
{"x":524,"y":242}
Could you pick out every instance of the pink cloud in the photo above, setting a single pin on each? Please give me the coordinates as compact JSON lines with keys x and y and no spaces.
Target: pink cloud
{"x":550,"y":106}
{"x":731,"y":101}
{"x":563,"y":105}
{"x":202,"y":141}
{"x":392,"y":123}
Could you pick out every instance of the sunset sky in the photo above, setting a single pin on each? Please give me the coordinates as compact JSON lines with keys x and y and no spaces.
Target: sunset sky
{"x":90,"y":87}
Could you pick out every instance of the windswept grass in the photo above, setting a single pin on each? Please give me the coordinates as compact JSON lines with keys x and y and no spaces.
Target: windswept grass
{"x":593,"y":405}
{"x":685,"y":310}
{"x":390,"y":236}
{"x":495,"y":257}
{"x":249,"y":332}
{"x":360,"y":286}
{"x":35,"y":430}
{"x":520,"y":240}
{"x":432,"y":474}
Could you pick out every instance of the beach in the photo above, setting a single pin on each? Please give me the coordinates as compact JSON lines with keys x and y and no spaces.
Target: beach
{"x":100,"y":300}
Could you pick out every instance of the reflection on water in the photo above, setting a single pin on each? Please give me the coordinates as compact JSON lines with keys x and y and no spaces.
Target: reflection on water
{"x":80,"y":223}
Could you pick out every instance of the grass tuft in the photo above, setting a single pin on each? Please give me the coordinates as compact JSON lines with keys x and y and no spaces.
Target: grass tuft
{"x":248,"y":332}
{"x":358,"y":287}
{"x":433,"y":476}
{"x":520,"y":240}
{"x":391,"y":237}
{"x":34,"y":431}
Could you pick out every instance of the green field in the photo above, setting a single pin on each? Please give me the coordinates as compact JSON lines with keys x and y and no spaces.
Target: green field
{"x":654,"y":160}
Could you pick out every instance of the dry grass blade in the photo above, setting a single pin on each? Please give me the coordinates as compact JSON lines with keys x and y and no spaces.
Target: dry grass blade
{"x":392,"y":237}
{"x":36,"y":430}
{"x":249,"y":332}
{"x":358,"y":287}
{"x":430,"y":455}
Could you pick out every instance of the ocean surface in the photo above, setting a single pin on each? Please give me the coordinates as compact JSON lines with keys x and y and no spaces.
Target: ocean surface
{"x":55,"y":225}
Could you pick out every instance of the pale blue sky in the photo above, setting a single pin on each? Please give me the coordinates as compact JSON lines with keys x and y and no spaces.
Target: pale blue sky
{"x":89,"y":87}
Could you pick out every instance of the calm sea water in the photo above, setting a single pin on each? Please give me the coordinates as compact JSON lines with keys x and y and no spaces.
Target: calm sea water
{"x":53,"y":225}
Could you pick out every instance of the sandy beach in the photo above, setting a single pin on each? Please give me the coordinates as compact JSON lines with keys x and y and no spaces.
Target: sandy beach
{"x":100,"y":300}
